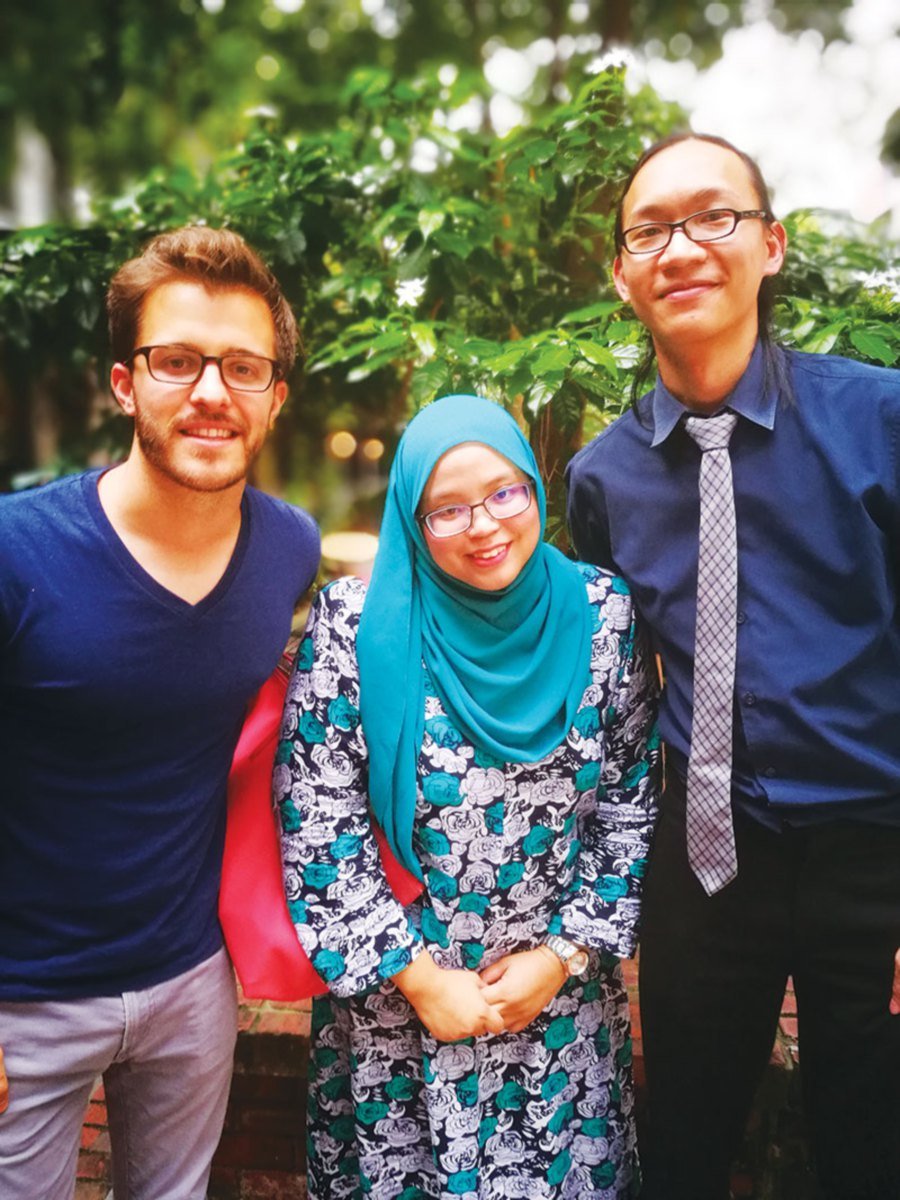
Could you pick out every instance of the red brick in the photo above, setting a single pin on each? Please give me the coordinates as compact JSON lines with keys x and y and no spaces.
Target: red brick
{"x":295,"y":1023}
{"x":91,"y":1191}
{"x":224,"y":1183}
{"x":272,"y":1091}
{"x":246,"y":1019}
{"x":92,"y":1166}
{"x":741,"y":1185}
{"x":96,"y":1114}
{"x":273,"y":1186}
{"x":289,"y":1122}
{"x":253,"y":1151}
{"x":89,"y":1135}
{"x":788,"y":1027}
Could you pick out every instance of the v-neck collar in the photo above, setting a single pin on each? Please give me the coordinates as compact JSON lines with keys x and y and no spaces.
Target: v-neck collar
{"x":142,"y":577}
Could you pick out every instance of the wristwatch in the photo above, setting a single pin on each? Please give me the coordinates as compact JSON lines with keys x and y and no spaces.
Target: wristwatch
{"x":574,"y":958}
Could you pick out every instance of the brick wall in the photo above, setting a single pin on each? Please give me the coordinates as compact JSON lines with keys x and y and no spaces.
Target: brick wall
{"x":262,"y":1152}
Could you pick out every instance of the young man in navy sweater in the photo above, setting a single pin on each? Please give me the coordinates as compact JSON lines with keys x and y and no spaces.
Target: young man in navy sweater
{"x":778,"y":848}
{"x":141,"y":607}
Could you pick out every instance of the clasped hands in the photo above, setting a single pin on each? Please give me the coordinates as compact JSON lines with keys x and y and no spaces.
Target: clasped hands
{"x":454,"y":1003}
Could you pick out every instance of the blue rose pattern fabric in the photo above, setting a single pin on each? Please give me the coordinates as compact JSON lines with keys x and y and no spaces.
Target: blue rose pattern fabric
{"x":510,"y":851}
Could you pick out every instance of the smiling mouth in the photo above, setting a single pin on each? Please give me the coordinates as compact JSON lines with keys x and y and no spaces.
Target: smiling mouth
{"x":489,"y":557}
{"x":210,"y":433}
{"x":687,"y":289}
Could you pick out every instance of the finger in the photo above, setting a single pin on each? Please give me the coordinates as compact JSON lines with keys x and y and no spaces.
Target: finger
{"x":494,"y":1021}
{"x":492,"y":973}
{"x":493,"y":994}
{"x":895,"y":993}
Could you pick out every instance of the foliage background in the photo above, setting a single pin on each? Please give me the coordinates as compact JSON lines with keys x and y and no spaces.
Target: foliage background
{"x":424,"y":252}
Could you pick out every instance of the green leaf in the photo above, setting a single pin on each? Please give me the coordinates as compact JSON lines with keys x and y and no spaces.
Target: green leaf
{"x":430,"y":221}
{"x":556,"y":358}
{"x":871,"y":345}
{"x":601,"y":356}
{"x":593,"y":312}
{"x":424,"y":337}
{"x":823,"y":341}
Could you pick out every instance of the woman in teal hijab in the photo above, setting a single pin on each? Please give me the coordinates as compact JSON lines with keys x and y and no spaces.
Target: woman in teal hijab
{"x":490,"y":705}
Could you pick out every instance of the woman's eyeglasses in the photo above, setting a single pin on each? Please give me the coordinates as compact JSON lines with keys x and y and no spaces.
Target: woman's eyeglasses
{"x":506,"y":502}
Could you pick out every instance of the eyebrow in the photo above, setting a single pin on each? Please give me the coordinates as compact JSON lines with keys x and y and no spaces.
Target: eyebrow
{"x":199,"y":349}
{"x":705,"y":197}
{"x":447,"y":498}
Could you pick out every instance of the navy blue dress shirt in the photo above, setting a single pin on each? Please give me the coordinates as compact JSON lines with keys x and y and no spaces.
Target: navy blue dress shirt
{"x":817,"y":497}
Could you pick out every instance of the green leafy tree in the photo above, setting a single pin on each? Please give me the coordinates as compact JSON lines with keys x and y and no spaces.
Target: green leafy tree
{"x":422,"y":259}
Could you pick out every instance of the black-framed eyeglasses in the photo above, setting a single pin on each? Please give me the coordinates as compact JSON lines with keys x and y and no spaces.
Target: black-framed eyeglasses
{"x":706,"y":226}
{"x":182,"y":366}
{"x":506,"y":502}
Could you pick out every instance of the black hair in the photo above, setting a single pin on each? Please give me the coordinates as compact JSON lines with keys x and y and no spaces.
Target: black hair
{"x":775,"y":367}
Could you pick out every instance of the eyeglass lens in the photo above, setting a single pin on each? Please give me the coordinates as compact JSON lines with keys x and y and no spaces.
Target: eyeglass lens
{"x":506,"y":502}
{"x":701,"y":227}
{"x":175,"y":364}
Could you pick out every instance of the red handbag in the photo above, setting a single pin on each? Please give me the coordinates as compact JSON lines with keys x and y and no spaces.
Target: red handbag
{"x":270,"y":962}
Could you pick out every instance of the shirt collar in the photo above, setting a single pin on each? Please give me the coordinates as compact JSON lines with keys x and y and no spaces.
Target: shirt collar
{"x":750,"y":399}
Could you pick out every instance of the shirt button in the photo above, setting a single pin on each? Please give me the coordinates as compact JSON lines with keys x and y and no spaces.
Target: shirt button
{"x":769,"y":772}
{"x":741,"y":617}
{"x":749,"y":699}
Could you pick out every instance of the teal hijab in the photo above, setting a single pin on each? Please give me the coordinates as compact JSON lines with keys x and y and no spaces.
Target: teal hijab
{"x":510,"y":666}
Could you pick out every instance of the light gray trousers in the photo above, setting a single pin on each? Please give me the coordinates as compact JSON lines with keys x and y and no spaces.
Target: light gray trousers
{"x":165,"y":1054}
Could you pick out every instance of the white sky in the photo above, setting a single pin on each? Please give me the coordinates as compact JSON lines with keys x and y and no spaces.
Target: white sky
{"x":813,"y":117}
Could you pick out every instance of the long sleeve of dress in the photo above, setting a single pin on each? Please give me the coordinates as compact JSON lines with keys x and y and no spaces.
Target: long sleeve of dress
{"x":347,"y":919}
{"x":601,"y":906}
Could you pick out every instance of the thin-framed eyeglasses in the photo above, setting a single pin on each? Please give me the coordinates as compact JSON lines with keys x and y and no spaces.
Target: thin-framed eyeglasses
{"x":706,"y":226}
{"x":509,"y":501}
{"x":182,"y":366}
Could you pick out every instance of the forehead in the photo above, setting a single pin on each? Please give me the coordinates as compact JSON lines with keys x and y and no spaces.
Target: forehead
{"x":467,"y":469}
{"x":215,"y":321}
{"x":685,"y":178}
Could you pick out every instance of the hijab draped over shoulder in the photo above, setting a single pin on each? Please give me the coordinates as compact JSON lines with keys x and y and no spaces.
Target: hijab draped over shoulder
{"x":509,"y":666}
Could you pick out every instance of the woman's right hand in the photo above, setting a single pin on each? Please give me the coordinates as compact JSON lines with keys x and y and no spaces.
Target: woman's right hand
{"x":450,"y":1003}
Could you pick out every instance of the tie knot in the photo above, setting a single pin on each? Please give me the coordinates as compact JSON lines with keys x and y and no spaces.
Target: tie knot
{"x":712,"y":433}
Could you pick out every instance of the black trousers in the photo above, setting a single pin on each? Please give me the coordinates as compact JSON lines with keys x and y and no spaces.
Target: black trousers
{"x":820,"y":904}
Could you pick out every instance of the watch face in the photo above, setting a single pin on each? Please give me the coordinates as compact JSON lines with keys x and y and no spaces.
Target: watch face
{"x":578,"y":962}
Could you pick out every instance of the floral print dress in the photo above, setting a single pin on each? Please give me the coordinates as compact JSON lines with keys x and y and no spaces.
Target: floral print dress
{"x":509,"y":852}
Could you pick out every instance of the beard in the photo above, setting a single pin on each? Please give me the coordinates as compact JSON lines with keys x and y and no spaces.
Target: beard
{"x":194,"y":467}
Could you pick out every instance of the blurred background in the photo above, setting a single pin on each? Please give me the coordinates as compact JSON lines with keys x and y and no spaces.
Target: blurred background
{"x":433,"y":183}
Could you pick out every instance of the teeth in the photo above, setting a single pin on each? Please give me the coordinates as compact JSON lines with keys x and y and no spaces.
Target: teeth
{"x":488,"y":554}
{"x":210,"y":433}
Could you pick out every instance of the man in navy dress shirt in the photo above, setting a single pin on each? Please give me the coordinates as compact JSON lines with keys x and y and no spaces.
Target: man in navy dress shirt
{"x":815,"y":762}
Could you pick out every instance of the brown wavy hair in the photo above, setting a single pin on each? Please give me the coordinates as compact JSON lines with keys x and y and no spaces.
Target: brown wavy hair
{"x":219,"y":260}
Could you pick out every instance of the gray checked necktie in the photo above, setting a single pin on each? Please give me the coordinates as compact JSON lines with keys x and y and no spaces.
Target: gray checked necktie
{"x":710,"y":828}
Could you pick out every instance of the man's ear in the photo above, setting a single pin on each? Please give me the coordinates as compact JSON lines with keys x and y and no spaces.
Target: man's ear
{"x":122,"y":385}
{"x":776,"y":245}
{"x":619,"y":280}
{"x":279,"y":395}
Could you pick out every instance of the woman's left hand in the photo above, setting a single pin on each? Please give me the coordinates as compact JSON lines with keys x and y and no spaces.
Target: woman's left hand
{"x":522,"y":985}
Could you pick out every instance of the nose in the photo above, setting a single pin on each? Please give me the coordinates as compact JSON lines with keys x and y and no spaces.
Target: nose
{"x":482,"y":521}
{"x":210,"y":388}
{"x":680,"y":247}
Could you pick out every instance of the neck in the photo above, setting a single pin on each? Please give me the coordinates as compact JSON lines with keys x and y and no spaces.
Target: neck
{"x":141,"y":500}
{"x":701,"y":377}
